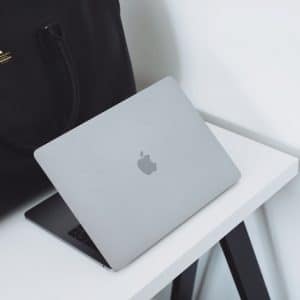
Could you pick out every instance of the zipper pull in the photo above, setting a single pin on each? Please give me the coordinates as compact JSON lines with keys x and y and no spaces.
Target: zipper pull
{"x":50,"y":38}
{"x":54,"y":30}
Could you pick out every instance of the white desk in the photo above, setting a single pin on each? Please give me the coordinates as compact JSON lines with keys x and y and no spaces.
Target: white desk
{"x":35,"y":265}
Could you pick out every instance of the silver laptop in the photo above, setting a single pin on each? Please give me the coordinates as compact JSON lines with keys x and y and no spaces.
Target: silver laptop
{"x":132,"y":174}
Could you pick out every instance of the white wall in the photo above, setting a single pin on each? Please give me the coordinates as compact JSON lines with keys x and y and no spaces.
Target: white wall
{"x":240,"y":62}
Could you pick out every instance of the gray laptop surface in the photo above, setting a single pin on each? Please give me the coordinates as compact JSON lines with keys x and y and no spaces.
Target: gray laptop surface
{"x":134,"y":173}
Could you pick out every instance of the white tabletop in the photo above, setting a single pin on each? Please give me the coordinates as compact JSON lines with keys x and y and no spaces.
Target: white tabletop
{"x":35,"y":265}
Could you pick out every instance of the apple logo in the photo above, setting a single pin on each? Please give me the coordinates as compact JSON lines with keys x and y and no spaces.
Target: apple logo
{"x":146,"y":165}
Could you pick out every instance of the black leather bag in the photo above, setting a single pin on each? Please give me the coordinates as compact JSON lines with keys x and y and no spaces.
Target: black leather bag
{"x":61,"y":63}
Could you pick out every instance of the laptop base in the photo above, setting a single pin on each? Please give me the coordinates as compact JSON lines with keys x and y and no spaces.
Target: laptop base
{"x":55,"y":216}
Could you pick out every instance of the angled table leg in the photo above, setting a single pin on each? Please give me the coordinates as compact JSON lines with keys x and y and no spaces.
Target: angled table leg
{"x":243,"y":265}
{"x":183,"y":285}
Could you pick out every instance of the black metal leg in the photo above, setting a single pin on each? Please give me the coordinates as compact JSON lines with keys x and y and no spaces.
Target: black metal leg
{"x":243,"y":264}
{"x":183,"y":285}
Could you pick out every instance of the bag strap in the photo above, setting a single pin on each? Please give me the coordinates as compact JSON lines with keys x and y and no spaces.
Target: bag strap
{"x":54,"y":34}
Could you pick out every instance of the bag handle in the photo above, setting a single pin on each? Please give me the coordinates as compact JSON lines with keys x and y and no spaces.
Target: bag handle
{"x":54,"y":35}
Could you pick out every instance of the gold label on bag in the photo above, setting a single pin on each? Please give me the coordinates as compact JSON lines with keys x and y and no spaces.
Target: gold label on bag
{"x":5,"y":57}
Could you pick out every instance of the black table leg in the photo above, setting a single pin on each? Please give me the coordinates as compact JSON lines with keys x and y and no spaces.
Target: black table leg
{"x":183,"y":285}
{"x":243,"y":265}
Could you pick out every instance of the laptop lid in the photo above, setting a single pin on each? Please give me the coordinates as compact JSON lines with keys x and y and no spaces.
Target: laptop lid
{"x":134,"y":173}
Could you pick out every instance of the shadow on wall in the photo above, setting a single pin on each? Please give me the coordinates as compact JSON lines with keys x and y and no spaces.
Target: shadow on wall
{"x":163,"y":42}
{"x":150,"y":42}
